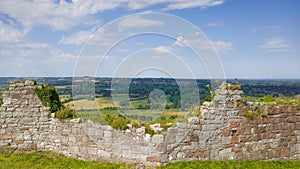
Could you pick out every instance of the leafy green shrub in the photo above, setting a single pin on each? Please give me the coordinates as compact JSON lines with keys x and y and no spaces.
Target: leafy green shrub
{"x":65,"y":113}
{"x":249,"y":98}
{"x":135,"y":124}
{"x":250,"y":113}
{"x":166,"y":126}
{"x":208,"y":98}
{"x":148,"y":130}
{"x":260,"y":112}
{"x":240,"y":104}
{"x":267,"y":98}
{"x":1,"y":100}
{"x":117,"y":122}
{"x":48,"y":96}
{"x":271,"y":100}
{"x":257,"y":112}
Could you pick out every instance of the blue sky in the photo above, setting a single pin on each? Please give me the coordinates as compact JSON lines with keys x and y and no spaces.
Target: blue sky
{"x":253,"y":39}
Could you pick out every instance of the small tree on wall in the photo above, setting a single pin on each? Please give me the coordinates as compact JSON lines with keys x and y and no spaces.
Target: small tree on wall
{"x":48,"y":97}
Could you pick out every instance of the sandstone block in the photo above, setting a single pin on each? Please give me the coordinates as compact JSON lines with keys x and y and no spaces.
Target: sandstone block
{"x":29,"y":83}
{"x":225,"y":151}
{"x":157,"y":139}
{"x":193,"y":120}
{"x":153,"y":159}
{"x":226,"y":140}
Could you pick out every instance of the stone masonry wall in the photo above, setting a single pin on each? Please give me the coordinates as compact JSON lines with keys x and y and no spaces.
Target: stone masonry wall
{"x":275,"y":136}
{"x":224,"y":132}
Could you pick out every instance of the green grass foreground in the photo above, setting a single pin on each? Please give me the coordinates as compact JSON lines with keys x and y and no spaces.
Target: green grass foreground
{"x":51,"y":160}
{"x":234,"y":165}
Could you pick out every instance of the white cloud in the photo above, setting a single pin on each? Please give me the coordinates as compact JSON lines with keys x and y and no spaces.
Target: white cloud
{"x":64,"y":15}
{"x":222,"y":47}
{"x":58,"y":56}
{"x":77,"y":38}
{"x":18,"y":62}
{"x":34,"y":45}
{"x":95,"y":58}
{"x":162,"y":49}
{"x":58,"y":16}
{"x":4,"y":53}
{"x":265,"y":28}
{"x":215,"y":24}
{"x":102,"y":37}
{"x":138,"y":22}
{"x":19,"y":17}
{"x":173,"y":4}
{"x":181,"y":4}
{"x":277,"y":44}
{"x":30,"y":54}
{"x":9,"y":34}
{"x":92,"y":37}
{"x":180,"y":41}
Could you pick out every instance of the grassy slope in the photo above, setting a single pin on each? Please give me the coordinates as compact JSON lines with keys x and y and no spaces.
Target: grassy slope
{"x":49,"y":160}
{"x":235,"y":165}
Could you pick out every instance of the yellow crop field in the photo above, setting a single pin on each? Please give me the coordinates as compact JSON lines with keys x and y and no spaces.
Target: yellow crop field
{"x":98,"y":103}
{"x":63,"y":98}
{"x":175,"y":112}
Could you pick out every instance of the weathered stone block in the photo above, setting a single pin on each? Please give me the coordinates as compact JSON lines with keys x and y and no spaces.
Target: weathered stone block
{"x":170,"y":138}
{"x":29,"y":82}
{"x":225,"y":151}
{"x":193,"y":127}
{"x":104,"y":154}
{"x":194,"y":138}
{"x":140,"y":130}
{"x":226,"y":140}
{"x":210,"y":127}
{"x":234,"y":125}
{"x":126,"y":153}
{"x":293,"y":119}
{"x":153,"y":159}
{"x":181,"y":125}
{"x":157,"y":139}
{"x":243,"y":111}
{"x":107,"y":134}
{"x":226,"y":133}
{"x":193,"y":120}
{"x":275,"y":110}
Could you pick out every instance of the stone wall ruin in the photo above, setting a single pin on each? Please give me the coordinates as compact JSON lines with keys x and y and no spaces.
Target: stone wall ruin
{"x":224,"y":132}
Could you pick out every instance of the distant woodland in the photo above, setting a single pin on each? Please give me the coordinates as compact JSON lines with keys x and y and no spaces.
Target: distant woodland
{"x":140,"y":88}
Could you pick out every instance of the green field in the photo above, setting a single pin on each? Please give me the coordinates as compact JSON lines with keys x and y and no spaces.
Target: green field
{"x":50,"y":160}
{"x":96,"y":109}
